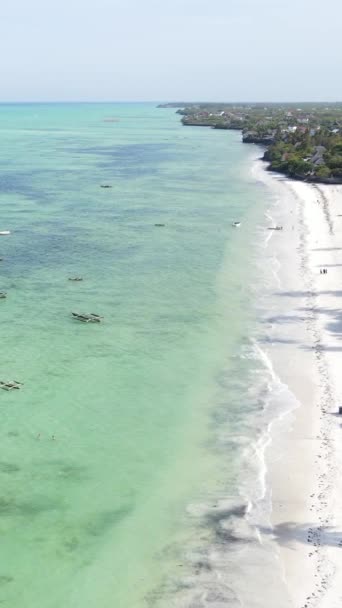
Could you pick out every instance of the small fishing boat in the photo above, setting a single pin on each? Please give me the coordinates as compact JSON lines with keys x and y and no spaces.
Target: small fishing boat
{"x":87,"y":317}
{"x":3,"y":295}
{"x":9,"y":386}
{"x":236,"y":224}
{"x":75,"y":279}
{"x":159,"y":225}
{"x":3,"y":232}
{"x":105,"y":186}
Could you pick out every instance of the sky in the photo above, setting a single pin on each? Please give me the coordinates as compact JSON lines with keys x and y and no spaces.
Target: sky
{"x":171,"y":50}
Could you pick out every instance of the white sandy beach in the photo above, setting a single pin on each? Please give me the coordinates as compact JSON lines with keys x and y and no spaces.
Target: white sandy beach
{"x":304,"y":341}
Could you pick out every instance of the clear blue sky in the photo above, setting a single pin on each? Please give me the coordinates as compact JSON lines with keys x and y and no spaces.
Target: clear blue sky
{"x":170,"y":50}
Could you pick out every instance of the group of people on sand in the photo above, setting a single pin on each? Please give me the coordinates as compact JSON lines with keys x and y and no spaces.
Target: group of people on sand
{"x":323,"y":271}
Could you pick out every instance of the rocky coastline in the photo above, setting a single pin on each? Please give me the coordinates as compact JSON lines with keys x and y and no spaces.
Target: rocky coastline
{"x":302,"y":143}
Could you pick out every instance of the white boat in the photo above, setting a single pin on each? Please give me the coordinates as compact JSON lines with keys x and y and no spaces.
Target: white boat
{"x":5,"y":232}
{"x":236,"y":224}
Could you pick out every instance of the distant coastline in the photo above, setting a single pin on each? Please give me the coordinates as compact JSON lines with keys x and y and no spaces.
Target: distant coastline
{"x":304,"y":143}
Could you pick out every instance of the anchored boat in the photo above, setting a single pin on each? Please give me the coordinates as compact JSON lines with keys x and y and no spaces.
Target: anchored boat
{"x":87,"y":317}
{"x":9,"y":386}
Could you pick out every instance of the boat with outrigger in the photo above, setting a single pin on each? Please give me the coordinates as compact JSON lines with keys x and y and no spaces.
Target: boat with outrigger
{"x":11,"y":385}
{"x":90,"y":317}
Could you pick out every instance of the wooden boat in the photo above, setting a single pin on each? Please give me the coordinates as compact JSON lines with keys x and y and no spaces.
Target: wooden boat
{"x":9,"y":386}
{"x":3,"y":295}
{"x":87,"y":317}
{"x":105,"y":186}
{"x":75,"y":279}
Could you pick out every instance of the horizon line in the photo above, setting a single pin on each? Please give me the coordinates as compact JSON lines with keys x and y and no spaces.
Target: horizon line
{"x":163,"y":101}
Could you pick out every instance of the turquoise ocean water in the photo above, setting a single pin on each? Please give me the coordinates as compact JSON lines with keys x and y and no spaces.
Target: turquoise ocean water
{"x":121,"y":428}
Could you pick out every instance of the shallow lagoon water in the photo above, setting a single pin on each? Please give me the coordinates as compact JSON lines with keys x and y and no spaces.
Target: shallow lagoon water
{"x":120,"y":425}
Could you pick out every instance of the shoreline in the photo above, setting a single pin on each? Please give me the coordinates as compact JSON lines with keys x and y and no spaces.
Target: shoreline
{"x":303,"y":456}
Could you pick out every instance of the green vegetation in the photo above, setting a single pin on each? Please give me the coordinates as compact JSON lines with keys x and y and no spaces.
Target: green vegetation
{"x":303,"y":140}
{"x":311,"y":154}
